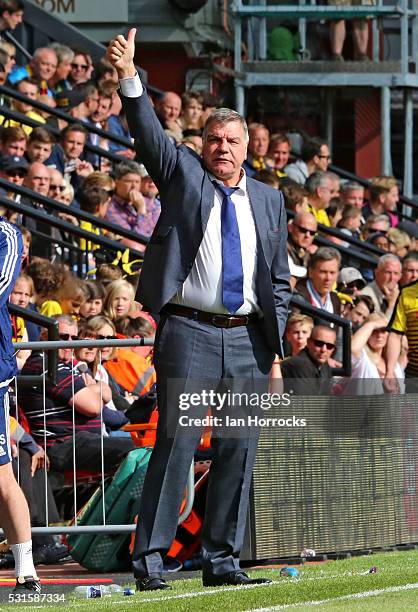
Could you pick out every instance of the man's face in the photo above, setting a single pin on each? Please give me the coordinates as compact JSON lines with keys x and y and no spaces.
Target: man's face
{"x":303,"y":231}
{"x":68,"y":331}
{"x":354,"y":197}
{"x":73,"y":144}
{"x":16,"y":148}
{"x":39,"y":151}
{"x":325,"y":192}
{"x":322,"y":160}
{"x":38,"y":178}
{"x":378,"y":226}
{"x":279,"y":152}
{"x":126,"y":184}
{"x":148,"y":187}
{"x":322,"y":345}
{"x":409,"y":272}
{"x":16,"y":176}
{"x":323,"y":276}
{"x":224,"y":150}
{"x":335,"y":190}
{"x":358,"y":314}
{"x":389,"y":274}
{"x":169,"y":107}
{"x":259,"y":142}
{"x":12,"y":20}
{"x":102,"y":111}
{"x":92,"y":103}
{"x":56,"y":185}
{"x":63,"y":69}
{"x":390,"y":199}
{"x":45,"y":65}
{"x":27,"y":89}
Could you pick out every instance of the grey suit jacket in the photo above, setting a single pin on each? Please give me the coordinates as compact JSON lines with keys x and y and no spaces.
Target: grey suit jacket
{"x":187,"y":196}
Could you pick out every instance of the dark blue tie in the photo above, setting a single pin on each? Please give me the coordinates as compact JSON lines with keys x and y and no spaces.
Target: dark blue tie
{"x":232,"y":274}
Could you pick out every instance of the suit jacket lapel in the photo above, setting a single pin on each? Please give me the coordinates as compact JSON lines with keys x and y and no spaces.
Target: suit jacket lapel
{"x":208,"y":195}
{"x":260,"y":218}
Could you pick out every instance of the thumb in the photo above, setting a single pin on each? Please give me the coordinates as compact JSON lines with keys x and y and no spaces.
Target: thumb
{"x":131,"y":35}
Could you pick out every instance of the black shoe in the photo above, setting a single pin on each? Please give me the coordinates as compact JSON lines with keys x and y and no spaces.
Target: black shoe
{"x":49,"y":554}
{"x":151,"y":583}
{"x":237,"y":578}
{"x":26,"y":584}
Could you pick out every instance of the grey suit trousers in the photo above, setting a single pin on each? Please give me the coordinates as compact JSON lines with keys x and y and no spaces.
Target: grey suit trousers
{"x":187,"y":352}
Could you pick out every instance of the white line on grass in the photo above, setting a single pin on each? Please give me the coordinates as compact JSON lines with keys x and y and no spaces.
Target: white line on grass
{"x":320,"y":602}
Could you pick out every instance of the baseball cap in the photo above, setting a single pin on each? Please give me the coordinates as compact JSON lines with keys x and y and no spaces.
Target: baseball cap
{"x":348,"y":275}
{"x":143,"y":171}
{"x":66,"y":100}
{"x":13,"y":162}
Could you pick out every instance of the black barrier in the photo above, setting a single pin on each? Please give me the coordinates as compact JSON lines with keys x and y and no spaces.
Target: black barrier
{"x":346,"y":481}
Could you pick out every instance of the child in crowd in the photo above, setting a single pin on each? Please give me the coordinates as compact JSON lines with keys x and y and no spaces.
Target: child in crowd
{"x":95,"y":201}
{"x":296,"y":198}
{"x":350,"y":222}
{"x":298,"y":330}
{"x":119,"y":300}
{"x":95,"y":295}
{"x":58,"y":291}
{"x":21,"y":295}
{"x":107,"y":273}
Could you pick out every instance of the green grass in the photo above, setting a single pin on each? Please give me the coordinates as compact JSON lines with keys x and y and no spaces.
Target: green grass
{"x":316,"y":583}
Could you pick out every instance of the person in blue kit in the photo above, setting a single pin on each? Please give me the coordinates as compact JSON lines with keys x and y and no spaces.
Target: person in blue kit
{"x":14,"y":512}
{"x":216,"y":270}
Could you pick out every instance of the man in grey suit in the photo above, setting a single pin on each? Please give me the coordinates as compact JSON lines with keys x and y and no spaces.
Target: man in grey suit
{"x":216,"y":269}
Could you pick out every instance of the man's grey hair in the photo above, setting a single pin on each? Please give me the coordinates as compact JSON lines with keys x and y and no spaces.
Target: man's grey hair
{"x":350,"y":186}
{"x":324,"y":254}
{"x":126,"y":167}
{"x":377,"y":219}
{"x":224,"y":116}
{"x":38,"y":52}
{"x":388,"y":257}
{"x":317,"y":179}
{"x":63,"y":52}
{"x":65,"y":318}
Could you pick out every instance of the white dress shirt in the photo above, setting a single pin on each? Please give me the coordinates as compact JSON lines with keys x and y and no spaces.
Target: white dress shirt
{"x":202,"y":288}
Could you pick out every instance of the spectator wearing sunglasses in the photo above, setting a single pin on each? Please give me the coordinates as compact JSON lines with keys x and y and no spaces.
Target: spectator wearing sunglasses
{"x":81,"y":67}
{"x":309,"y":372}
{"x":14,"y":170}
{"x":350,"y":281}
{"x":374,"y":224}
{"x":302,"y":231}
{"x":315,"y":157}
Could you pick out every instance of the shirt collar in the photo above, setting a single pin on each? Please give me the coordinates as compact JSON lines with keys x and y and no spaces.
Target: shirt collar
{"x":242,"y":183}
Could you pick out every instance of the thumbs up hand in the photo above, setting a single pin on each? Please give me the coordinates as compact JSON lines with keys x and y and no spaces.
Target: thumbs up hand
{"x":120,"y":53}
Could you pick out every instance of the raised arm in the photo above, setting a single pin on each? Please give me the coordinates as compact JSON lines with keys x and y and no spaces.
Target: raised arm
{"x":360,"y":338}
{"x":154,"y":148}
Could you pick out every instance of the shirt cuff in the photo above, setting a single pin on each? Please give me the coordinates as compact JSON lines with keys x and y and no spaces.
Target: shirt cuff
{"x":131,"y":87}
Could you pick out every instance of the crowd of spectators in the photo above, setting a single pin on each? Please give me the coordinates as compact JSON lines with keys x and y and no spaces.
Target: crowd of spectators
{"x":336,"y":272}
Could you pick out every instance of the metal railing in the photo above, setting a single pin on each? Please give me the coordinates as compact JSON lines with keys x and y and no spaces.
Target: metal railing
{"x":104,"y":528}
